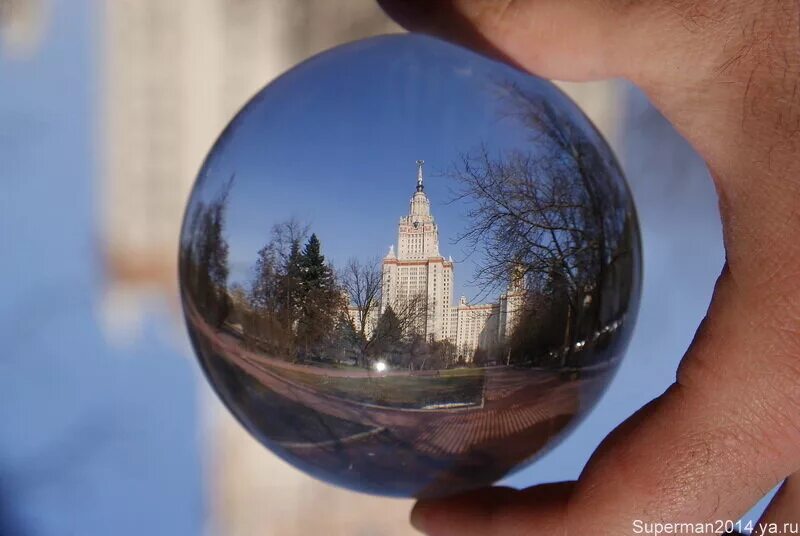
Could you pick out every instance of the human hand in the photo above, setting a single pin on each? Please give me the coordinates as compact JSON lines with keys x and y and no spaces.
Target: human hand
{"x":727,"y":75}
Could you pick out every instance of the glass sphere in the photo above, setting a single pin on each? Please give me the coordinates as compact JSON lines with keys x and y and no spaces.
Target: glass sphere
{"x":408,"y":269}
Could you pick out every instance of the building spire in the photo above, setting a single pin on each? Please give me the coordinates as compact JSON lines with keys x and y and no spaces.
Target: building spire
{"x":419,"y":175}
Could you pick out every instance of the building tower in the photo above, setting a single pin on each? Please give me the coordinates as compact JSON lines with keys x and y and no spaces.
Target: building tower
{"x":417,"y":280}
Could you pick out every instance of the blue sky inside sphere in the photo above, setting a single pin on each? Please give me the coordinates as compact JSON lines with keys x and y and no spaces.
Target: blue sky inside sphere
{"x":334,"y":141}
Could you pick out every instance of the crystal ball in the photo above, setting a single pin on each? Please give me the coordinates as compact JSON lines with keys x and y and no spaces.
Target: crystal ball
{"x":408,"y":269}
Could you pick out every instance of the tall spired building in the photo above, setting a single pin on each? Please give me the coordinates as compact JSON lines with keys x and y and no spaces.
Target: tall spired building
{"x":418,"y":285}
{"x":417,"y":280}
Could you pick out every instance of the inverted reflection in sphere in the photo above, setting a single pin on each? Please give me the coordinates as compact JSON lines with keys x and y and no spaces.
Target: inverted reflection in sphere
{"x":408,"y":269}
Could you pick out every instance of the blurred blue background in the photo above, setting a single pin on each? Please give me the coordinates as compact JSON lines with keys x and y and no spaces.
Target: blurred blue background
{"x":94,"y":439}
{"x":106,"y":425}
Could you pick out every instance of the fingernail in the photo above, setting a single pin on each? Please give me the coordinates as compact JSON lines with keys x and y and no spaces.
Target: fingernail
{"x":419,"y":15}
{"x":417,"y":518}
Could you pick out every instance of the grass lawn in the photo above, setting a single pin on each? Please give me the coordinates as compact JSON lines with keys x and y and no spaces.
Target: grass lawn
{"x":456,"y":386}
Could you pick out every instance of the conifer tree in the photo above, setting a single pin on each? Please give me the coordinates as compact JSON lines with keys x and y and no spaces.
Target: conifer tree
{"x":314,"y":273}
{"x":319,"y":300}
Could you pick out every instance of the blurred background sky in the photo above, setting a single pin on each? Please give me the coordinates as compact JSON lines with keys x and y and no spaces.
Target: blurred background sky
{"x":106,"y":111}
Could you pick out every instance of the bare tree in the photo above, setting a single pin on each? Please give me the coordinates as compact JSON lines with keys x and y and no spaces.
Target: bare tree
{"x":275,"y":276}
{"x":401,"y":322}
{"x":204,"y":255}
{"x":285,"y":235}
{"x":555,"y":213}
{"x":363,"y":283}
{"x":412,"y":313}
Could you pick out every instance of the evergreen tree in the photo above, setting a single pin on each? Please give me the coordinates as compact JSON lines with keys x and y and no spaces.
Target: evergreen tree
{"x":320,"y":302}
{"x":314,"y":273}
{"x":345,"y":342}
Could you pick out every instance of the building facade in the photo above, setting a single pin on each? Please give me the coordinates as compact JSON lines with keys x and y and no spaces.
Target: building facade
{"x":417,"y":280}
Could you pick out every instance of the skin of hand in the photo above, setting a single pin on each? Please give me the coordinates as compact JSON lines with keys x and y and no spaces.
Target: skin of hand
{"x":726,"y":74}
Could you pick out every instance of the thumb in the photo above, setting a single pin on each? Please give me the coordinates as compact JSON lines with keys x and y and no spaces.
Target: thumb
{"x":575,"y":40}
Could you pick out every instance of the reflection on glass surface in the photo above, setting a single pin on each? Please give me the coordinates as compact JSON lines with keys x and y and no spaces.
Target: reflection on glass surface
{"x":364,"y":370}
